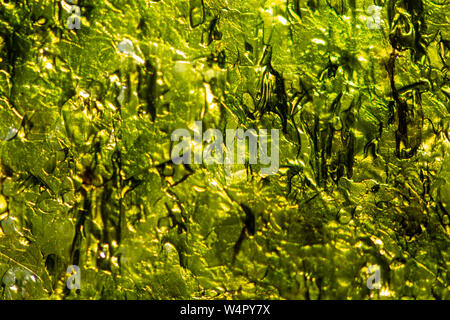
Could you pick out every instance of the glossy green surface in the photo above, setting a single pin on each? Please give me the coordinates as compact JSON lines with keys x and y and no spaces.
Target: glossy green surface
{"x":86,"y":178}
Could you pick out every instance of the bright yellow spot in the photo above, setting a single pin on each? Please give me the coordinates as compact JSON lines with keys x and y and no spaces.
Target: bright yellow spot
{"x":385,"y":292}
{"x":282,"y":20}
{"x":209,"y":94}
{"x":318,"y":41}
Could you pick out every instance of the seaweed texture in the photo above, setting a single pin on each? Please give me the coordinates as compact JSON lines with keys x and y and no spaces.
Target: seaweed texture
{"x":86,"y":177}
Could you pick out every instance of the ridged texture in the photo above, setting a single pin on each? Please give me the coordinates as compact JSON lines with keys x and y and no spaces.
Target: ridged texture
{"x":86,"y":178}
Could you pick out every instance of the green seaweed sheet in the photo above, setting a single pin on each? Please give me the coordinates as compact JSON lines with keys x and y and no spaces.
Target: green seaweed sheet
{"x":91,"y":91}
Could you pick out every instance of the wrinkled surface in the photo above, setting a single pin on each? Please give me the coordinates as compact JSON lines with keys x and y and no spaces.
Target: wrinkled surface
{"x":86,"y":178}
